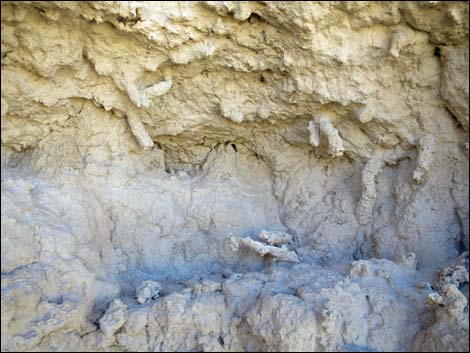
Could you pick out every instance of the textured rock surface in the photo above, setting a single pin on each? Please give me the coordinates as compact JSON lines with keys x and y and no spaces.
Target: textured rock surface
{"x":137,"y":136}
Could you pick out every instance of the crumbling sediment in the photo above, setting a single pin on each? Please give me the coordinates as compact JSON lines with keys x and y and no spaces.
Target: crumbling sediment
{"x":330,"y":138}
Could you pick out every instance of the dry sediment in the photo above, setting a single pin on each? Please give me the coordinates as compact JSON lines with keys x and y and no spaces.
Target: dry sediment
{"x":137,"y":136}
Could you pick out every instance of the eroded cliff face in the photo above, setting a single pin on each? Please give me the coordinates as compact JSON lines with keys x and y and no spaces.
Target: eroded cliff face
{"x":234,"y":176}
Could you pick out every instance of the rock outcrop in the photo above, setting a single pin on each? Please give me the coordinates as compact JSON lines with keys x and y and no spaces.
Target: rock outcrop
{"x":329,"y":137}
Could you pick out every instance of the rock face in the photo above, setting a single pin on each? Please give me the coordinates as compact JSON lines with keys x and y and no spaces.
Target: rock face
{"x":138,"y":136}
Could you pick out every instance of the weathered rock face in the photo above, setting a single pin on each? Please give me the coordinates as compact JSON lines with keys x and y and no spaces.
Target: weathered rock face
{"x":142,"y":140}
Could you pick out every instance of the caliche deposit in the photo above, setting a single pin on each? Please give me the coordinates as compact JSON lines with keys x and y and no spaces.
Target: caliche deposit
{"x":234,"y":176}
